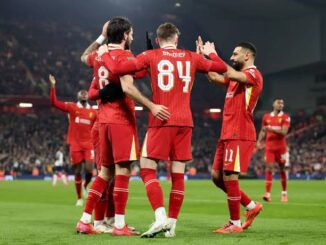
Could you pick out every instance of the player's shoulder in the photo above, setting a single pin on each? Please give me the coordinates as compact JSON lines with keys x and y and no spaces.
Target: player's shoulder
{"x":124,"y":54}
{"x":267,"y":115}
{"x":286,"y":116}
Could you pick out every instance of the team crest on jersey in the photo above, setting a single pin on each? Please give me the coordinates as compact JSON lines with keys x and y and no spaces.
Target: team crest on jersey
{"x":279,"y":120}
{"x":130,"y":58}
{"x":91,"y":114}
{"x":268,"y":121}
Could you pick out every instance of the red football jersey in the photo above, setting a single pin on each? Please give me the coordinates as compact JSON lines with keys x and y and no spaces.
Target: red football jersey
{"x":121,"y":111}
{"x":172,"y":73}
{"x":274,"y":140}
{"x":81,"y":120}
{"x":240,"y":102}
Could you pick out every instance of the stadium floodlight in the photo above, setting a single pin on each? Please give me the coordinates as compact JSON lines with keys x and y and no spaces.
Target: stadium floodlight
{"x":25,"y":105}
{"x":215,"y":110}
{"x":139,"y":108}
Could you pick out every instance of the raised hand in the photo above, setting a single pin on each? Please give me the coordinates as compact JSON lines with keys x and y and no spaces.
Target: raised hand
{"x":208,"y":48}
{"x":199,"y":45}
{"x":52,"y":80}
{"x":105,"y":29}
{"x":160,"y":112}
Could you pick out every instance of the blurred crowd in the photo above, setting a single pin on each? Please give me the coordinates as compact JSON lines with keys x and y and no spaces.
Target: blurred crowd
{"x":28,"y":143}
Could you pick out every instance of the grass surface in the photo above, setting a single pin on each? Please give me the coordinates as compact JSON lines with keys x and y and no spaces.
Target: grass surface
{"x":33,"y":212}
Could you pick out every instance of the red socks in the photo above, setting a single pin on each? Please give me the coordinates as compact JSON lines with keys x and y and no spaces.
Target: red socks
{"x":153,"y":188}
{"x":88,"y":178}
{"x":100,"y":207}
{"x":120,"y":193}
{"x":94,"y":194}
{"x":234,"y":196}
{"x":78,"y":184}
{"x":268,"y":181}
{"x":176,"y":195}
{"x":283,"y":179}
{"x":245,"y":200}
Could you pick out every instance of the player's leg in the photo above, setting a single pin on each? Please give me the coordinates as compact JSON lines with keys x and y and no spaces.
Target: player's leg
{"x":269,"y":170}
{"x":77,"y":168}
{"x":88,"y":173}
{"x":283,"y":176}
{"x":55,"y":179}
{"x":217,"y":176}
{"x":176,"y":195}
{"x":180,"y":154}
{"x":100,"y":183}
{"x":156,"y":146}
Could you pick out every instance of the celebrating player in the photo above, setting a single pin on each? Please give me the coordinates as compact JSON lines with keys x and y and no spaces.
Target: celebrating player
{"x":81,"y":120}
{"x":275,"y":126}
{"x":117,"y":127}
{"x":172,"y":73}
{"x":237,"y":141}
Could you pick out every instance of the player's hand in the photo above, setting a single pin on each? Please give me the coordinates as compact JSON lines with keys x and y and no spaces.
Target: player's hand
{"x":199,"y":45}
{"x":103,"y":49}
{"x":259,"y":145}
{"x":208,"y":48}
{"x":160,"y":112}
{"x":105,"y":29}
{"x":52,"y":80}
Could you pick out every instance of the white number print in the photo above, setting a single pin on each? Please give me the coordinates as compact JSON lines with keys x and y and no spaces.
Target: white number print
{"x":103,"y":75}
{"x":230,"y":157}
{"x":166,"y":69}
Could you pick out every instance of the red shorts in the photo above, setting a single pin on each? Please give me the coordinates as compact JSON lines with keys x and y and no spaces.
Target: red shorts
{"x":233,"y":155}
{"x":96,"y":144}
{"x":168,"y":143}
{"x":118,"y":143}
{"x":79,"y":154}
{"x":276,"y":156}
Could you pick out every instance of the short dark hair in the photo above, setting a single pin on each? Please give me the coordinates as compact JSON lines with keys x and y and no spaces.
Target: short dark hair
{"x":275,"y":99}
{"x":117,"y":27}
{"x":167,"y":31}
{"x":249,"y":46}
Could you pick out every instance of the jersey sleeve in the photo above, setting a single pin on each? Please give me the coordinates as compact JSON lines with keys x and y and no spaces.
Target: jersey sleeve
{"x":253,"y":77}
{"x":93,"y":91}
{"x":126,"y":66}
{"x":215,"y":64}
{"x":57,"y":103}
{"x":91,"y":58}
{"x":286,"y":121}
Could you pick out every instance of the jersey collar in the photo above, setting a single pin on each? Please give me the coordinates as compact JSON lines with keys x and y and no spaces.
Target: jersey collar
{"x":113,"y":46}
{"x":79,"y":105}
{"x":169,"y":46}
{"x":280,"y":114}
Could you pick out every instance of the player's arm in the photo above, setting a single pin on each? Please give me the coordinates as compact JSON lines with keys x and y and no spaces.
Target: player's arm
{"x":159,"y":111}
{"x":53,"y":97}
{"x":122,"y":67}
{"x":261,"y":138}
{"x":283,"y":131}
{"x":95,"y":45}
{"x":93,"y":91}
{"x":234,"y":75}
{"x":216,"y":78}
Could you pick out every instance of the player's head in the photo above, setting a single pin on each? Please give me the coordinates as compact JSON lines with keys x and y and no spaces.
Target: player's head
{"x":82,"y":96}
{"x":278,"y":104}
{"x":167,"y":33}
{"x":243,"y":53}
{"x":120,"y":31}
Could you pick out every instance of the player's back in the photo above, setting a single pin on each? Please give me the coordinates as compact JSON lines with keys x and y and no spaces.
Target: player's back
{"x":120,"y":111}
{"x":172,"y":74}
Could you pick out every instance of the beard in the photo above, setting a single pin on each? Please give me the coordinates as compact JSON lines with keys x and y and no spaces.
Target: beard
{"x":237,"y":66}
{"x":83,"y":102}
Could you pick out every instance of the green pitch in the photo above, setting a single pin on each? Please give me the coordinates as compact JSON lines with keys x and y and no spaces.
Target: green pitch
{"x":33,"y":212}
